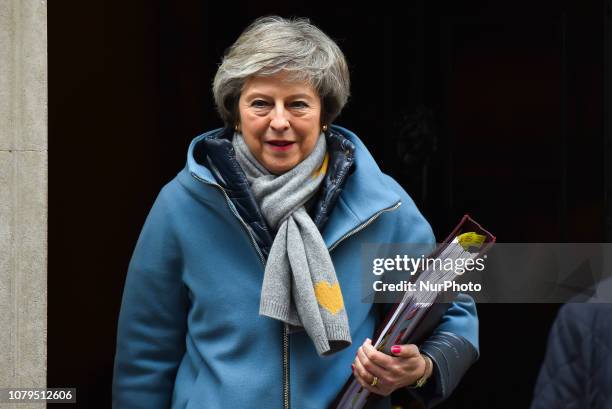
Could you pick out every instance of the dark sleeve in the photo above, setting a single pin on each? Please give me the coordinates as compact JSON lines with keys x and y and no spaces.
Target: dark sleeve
{"x":452,"y":355}
{"x":563,"y":375}
{"x":152,"y":320}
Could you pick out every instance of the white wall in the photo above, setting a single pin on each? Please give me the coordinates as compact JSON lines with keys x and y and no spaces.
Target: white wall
{"x":23,"y":195}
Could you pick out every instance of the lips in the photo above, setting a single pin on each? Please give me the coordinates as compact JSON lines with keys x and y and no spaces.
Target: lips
{"x":280,"y":145}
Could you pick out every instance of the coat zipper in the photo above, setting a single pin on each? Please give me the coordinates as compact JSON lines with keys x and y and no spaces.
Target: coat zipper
{"x":363,"y":225}
{"x":263,"y":262}
{"x":286,"y":396}
{"x":235,"y":213}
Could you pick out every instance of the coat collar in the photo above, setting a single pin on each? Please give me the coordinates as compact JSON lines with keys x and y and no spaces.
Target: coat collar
{"x":366,"y":194}
{"x":354,"y":191}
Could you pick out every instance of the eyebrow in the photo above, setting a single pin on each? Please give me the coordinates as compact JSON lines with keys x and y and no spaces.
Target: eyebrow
{"x":292,"y":96}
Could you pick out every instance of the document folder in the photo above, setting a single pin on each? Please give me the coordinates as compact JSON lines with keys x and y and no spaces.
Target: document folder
{"x":413,"y":319}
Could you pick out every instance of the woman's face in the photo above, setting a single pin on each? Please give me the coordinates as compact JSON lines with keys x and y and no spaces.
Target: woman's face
{"x":279,"y":120}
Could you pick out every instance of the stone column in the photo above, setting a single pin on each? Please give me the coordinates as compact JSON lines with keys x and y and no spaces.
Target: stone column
{"x":23,"y":195}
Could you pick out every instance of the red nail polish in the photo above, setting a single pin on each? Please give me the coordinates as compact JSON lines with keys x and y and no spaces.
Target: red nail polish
{"x":396,"y":349}
{"x":353,"y":366}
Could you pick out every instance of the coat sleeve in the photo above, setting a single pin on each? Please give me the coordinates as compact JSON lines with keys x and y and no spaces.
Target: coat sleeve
{"x":453,"y":348}
{"x":152,"y":320}
{"x":563,"y":378}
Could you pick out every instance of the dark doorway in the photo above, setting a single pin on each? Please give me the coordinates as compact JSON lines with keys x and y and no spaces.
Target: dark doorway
{"x":494,"y":109}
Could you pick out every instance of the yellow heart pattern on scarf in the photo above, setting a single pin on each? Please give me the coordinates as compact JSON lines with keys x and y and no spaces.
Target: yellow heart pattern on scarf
{"x":329,"y":296}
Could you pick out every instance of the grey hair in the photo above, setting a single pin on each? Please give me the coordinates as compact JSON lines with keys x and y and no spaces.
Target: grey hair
{"x":273,"y":44}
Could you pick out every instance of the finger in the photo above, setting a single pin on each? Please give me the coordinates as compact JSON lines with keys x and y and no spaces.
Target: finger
{"x":406,"y":351}
{"x":367,"y":386}
{"x":379,"y":358}
{"x":366,"y":380}
{"x":371,"y":367}
{"x":362,"y":372}
{"x":379,"y":389}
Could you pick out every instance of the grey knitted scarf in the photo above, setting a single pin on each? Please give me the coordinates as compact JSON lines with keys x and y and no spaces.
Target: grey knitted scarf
{"x":300,"y":286}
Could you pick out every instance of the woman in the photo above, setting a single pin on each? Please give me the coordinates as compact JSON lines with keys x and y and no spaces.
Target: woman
{"x":243,"y":289}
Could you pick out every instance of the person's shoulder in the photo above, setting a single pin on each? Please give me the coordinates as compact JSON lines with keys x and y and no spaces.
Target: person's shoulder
{"x":177,"y":201}
{"x":407,"y":218}
{"x":186,"y":189}
{"x":172,"y":192}
{"x":407,"y":203}
{"x":579,"y":315}
{"x":409,"y":215}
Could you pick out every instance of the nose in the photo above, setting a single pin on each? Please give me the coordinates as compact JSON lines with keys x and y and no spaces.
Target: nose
{"x":280,"y":118}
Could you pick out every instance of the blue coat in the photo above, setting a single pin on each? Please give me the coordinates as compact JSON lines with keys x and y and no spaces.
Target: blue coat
{"x":189,"y":333}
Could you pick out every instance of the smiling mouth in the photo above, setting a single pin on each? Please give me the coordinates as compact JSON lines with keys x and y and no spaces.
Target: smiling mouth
{"x":280,"y":145}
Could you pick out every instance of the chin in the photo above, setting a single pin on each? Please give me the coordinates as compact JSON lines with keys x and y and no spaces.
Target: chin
{"x":278,"y":169}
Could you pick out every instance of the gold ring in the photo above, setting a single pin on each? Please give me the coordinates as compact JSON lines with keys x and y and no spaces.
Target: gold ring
{"x":374,"y":381}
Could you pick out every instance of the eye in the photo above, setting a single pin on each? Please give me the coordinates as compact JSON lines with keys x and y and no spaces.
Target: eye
{"x":299,"y":104}
{"x":259,"y":103}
